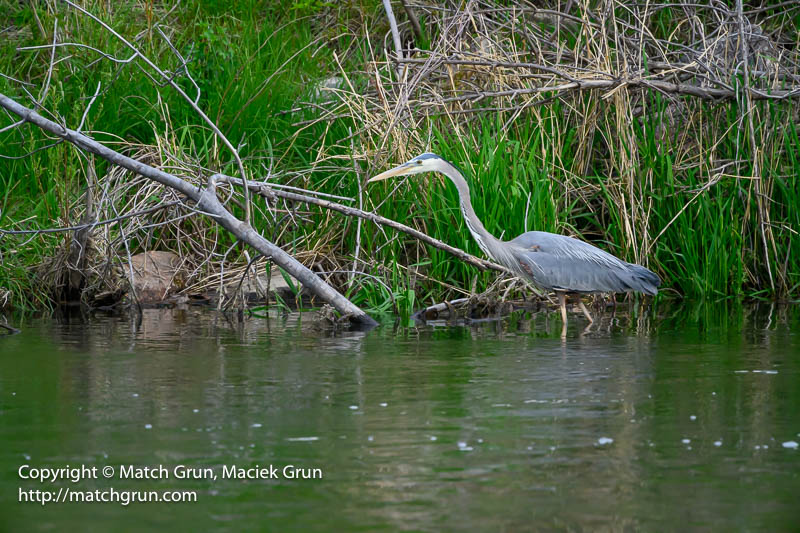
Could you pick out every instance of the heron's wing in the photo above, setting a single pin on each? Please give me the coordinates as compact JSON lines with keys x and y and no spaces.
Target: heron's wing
{"x":561,"y":262}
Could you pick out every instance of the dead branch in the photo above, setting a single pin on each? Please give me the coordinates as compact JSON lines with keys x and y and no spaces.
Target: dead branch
{"x":9,"y":329}
{"x":706,"y":93}
{"x":441,"y":306}
{"x":387,"y":6}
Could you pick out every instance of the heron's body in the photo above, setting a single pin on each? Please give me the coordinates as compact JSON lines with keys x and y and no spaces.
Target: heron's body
{"x":562,"y":263}
{"x":549,"y":261}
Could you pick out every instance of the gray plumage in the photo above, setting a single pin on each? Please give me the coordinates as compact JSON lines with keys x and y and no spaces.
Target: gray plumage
{"x":547,"y":260}
{"x":563,"y":263}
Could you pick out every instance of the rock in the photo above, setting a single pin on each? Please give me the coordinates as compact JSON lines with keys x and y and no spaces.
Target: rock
{"x":156,"y":275}
{"x":255,"y":287}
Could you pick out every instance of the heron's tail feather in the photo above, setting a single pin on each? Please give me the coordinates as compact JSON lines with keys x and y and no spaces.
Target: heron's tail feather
{"x":644,"y":280}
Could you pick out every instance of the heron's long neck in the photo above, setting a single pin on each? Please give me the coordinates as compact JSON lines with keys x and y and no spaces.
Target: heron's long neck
{"x":485,"y":240}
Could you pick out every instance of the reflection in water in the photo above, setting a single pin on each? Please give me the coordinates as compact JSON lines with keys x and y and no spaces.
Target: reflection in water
{"x":676,"y":413}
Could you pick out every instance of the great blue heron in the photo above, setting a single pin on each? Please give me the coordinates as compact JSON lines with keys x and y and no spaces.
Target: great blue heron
{"x":553,"y":262}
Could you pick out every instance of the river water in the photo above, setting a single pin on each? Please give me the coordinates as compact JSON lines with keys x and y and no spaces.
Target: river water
{"x":681,"y":418}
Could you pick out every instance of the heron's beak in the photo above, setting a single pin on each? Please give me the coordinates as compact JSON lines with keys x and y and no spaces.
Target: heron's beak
{"x":396,"y":171}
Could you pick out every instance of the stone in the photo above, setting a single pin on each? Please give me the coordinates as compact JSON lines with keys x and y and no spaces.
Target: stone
{"x":156,"y":275}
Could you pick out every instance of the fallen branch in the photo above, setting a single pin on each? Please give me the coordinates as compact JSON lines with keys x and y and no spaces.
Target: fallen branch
{"x":11,"y":331}
{"x":207,"y":203}
{"x":425,"y":312}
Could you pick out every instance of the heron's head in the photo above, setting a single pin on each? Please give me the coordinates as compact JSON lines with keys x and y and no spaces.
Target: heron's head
{"x":422,"y":163}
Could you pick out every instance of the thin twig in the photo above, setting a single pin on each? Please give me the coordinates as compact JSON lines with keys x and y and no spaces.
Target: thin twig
{"x":92,"y":224}
{"x":46,"y":87}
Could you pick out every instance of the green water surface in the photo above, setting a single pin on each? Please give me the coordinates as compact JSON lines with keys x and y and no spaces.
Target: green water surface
{"x":681,"y":419}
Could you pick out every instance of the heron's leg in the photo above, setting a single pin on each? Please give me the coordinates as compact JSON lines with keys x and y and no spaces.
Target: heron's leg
{"x":585,"y":311}
{"x":562,"y":302}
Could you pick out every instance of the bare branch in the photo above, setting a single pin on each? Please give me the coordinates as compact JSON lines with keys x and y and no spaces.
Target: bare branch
{"x":88,"y":107}
{"x":398,"y":46}
{"x":11,"y":331}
